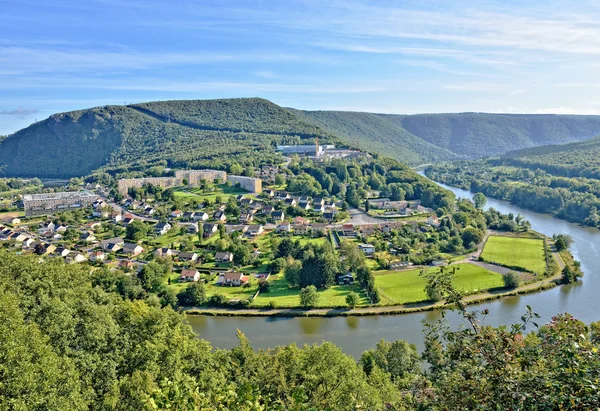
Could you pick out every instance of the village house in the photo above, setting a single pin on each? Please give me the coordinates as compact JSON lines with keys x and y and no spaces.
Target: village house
{"x":101,"y":213}
{"x":284,"y":227}
{"x":345,"y":279}
{"x":176,"y":213}
{"x":76,"y":258}
{"x":162,"y":228}
{"x":126,"y":265}
{"x":277,"y":216}
{"x":304,"y":205}
{"x":163,"y":252}
{"x":301,"y":220}
{"x":87,"y":237}
{"x":246,"y":202}
{"x":192,"y":228}
{"x":433,"y":221}
{"x":42,"y":248}
{"x":189,"y":275}
{"x":232,"y":279}
{"x":117,"y":218}
{"x":319,"y":229}
{"x":367,"y":249}
{"x":317,"y":208}
{"x":348,"y":230}
{"x":188,"y":257}
{"x":318,"y":201}
{"x":149,"y":211}
{"x":399,"y":265}
{"x":111,"y":242}
{"x":236,"y":227}
{"x":209,"y":229}
{"x":329,"y":216}
{"x":97,"y":256}
{"x":267,"y":209}
{"x":200,"y":216}
{"x":300,"y":229}
{"x":132,"y":249}
{"x":219,"y":215}
{"x":246,"y":218}
{"x":368,"y":229}
{"x":127,"y":220}
{"x":255,"y":230}
{"x":224,"y":257}
{"x":291,"y":201}
{"x":62,"y":252}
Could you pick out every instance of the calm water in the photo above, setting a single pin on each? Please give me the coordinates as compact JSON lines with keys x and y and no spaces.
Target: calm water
{"x":356,"y":334}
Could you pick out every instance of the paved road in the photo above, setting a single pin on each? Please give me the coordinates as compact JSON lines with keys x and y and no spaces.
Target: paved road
{"x":358,"y":217}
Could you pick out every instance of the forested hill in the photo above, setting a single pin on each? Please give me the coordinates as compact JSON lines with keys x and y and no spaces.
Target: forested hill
{"x":193,"y":133}
{"x":580,"y":159}
{"x":197,"y":133}
{"x":480,"y":134}
{"x":378,"y":133}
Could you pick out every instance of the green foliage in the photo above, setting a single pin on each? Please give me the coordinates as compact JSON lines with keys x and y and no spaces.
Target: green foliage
{"x":479,"y":200}
{"x":352,"y":299}
{"x":136,"y":231}
{"x":511,"y":279}
{"x":309,"y":297}
{"x":192,"y":295}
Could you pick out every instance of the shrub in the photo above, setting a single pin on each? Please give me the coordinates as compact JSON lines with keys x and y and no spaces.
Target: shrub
{"x":511,"y":279}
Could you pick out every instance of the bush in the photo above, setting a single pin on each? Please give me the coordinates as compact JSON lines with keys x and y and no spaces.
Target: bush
{"x":217,"y":300}
{"x":263,"y":286}
{"x":309,"y":297}
{"x":272,"y":304}
{"x":352,"y":299}
{"x":511,"y":279}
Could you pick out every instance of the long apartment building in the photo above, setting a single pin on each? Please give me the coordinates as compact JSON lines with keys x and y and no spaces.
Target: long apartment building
{"x":50,"y":203}
{"x":193,"y":177}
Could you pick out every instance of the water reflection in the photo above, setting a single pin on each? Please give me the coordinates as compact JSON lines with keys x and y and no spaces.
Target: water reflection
{"x":311,"y":325}
{"x":352,"y":322}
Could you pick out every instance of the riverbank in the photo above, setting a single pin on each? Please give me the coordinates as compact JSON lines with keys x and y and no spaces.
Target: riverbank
{"x":530,"y":288}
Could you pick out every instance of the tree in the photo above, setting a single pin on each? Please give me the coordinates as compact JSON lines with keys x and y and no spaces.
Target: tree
{"x":136,"y":231}
{"x":263,"y":286}
{"x":280,"y":179}
{"x":480,"y":200}
{"x":193,"y":295}
{"x":309,"y":297}
{"x":352,"y":299}
{"x":236,"y":169}
{"x":292,"y":271}
{"x":398,"y":358}
{"x":562,"y":241}
{"x":511,"y":279}
{"x":569,"y":275}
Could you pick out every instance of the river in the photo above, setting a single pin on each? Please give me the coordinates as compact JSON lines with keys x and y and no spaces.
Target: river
{"x":357,"y":334}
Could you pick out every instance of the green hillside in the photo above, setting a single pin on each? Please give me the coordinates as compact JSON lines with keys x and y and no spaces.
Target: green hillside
{"x":377,"y":133}
{"x":184,"y":133}
{"x":479,"y":134}
{"x":580,"y":159}
{"x":196,"y":133}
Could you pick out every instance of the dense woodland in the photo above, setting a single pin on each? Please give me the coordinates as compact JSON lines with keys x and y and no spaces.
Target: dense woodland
{"x":195,"y":133}
{"x":561,"y":180}
{"x":69,"y":340}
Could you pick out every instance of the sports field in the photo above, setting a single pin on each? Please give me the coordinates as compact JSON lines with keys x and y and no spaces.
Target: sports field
{"x":525,"y":253}
{"x":401,"y":287}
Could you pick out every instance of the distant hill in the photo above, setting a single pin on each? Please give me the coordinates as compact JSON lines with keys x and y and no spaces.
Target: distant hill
{"x":198,"y":133}
{"x":581,"y":159}
{"x":378,"y":133}
{"x":190,"y":133}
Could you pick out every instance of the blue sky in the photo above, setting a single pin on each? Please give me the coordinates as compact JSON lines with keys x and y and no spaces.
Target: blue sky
{"x":381,"y":56}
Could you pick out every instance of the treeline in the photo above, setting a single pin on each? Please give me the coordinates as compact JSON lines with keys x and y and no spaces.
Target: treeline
{"x":572,"y":199}
{"x":69,"y":341}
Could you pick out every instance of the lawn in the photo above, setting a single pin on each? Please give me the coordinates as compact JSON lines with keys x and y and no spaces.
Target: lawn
{"x":526,"y":253}
{"x":230,"y":293}
{"x":222,"y":191}
{"x":401,"y":287}
{"x":311,"y":240}
{"x":283,"y":296}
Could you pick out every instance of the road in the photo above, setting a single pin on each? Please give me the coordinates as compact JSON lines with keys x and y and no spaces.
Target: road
{"x":358,"y":217}
{"x":119,"y":209}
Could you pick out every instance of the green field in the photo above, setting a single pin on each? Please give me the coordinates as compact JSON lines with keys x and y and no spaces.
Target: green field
{"x":283,"y":296}
{"x":401,"y":287}
{"x":212,"y":289}
{"x":222,"y":191}
{"x":526,"y":253}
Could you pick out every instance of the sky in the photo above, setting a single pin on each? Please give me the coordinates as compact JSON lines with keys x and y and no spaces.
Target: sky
{"x":379,"y":56}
